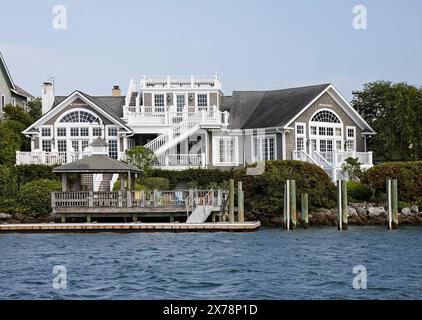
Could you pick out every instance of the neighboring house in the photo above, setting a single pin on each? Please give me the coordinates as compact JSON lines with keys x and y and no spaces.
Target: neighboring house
{"x":10,"y":93}
{"x":188,"y":122}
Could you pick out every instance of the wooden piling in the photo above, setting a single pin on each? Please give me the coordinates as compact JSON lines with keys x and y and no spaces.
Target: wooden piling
{"x":293,"y":212}
{"x":345,"y":211}
{"x":305,"y":210}
{"x":231,"y":201}
{"x":395,"y":209}
{"x":240,"y":203}
{"x":339,"y":206}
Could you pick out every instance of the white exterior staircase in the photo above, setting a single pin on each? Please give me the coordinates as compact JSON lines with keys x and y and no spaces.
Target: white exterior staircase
{"x":183,"y":130}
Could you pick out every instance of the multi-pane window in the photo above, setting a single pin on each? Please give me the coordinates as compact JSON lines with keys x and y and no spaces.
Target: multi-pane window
{"x":75,"y":145}
{"x":112,"y":149}
{"x":202,"y":101}
{"x":46,"y":132}
{"x":61,"y":132}
{"x":350,"y":132}
{"x":350,"y":145}
{"x":313,"y":144}
{"x":180,"y":102}
{"x":159,"y":102}
{"x":338,"y":145}
{"x":330,"y":131}
{"x":300,"y":144}
{"x":84,"y":144}
{"x":84,"y":132}
{"x":226,"y":150}
{"x":74,"y":132}
{"x":264,"y":148}
{"x":97,"y":132}
{"x":112,"y":131}
{"x":338,"y":132}
{"x":325,"y":116}
{"x":300,"y":129}
{"x":46,"y":145}
{"x":322,"y":131}
{"x":61,"y":145}
{"x":313,"y":130}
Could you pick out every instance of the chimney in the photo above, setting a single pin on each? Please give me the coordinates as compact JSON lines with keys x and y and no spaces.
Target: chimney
{"x":47,"y":97}
{"x":115,"y":92}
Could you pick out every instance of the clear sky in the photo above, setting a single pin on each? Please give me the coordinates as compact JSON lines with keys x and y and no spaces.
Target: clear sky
{"x":254,"y":45}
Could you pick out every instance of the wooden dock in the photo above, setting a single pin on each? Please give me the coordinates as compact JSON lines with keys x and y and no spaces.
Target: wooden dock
{"x":129,"y":227}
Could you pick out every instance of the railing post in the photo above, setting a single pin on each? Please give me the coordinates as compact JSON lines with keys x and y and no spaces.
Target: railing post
{"x":129,"y":198}
{"x":155,"y":197}
{"x":344,"y":200}
{"x":120,"y":199}
{"x":143,"y":200}
{"x":53,"y":200}
{"x":369,"y":158}
{"x":394,"y":198}
{"x":91,"y":199}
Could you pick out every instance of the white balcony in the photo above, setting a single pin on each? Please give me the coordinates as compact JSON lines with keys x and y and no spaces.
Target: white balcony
{"x":180,"y":161}
{"x":145,"y":116}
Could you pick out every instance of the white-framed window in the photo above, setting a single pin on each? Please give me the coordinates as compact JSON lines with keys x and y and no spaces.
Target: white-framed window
{"x":112,"y":148}
{"x":180,"y":102}
{"x":159,"y":102}
{"x":46,"y":145}
{"x":326,"y":116}
{"x":112,"y":131}
{"x":300,"y":136}
{"x":350,"y":144}
{"x":338,"y":132}
{"x":74,"y":132}
{"x":330,"y":131}
{"x":97,"y":131}
{"x":264,"y":148}
{"x":84,"y":132}
{"x":225,"y":150}
{"x":46,"y":132}
{"x":14,"y":102}
{"x":313,"y":130}
{"x":61,"y":132}
{"x":300,"y":143}
{"x":202,"y":100}
{"x":61,"y":145}
{"x":79,"y":116}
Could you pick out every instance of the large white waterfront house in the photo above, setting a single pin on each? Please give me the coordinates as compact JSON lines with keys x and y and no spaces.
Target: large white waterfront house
{"x":189,"y":123}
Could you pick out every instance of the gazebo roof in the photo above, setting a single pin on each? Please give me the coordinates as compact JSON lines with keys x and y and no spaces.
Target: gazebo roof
{"x":96,"y":164}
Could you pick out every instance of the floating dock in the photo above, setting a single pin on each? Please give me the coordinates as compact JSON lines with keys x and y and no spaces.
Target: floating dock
{"x":130,"y":227}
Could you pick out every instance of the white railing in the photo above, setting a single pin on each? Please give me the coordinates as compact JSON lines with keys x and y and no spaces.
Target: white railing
{"x":49,"y":158}
{"x":206,"y":198}
{"x":133,"y":87}
{"x":303,"y":156}
{"x":363,"y":157}
{"x":154,"y":118}
{"x":181,"y":82}
{"x":179,"y":131}
{"x":181,"y":160}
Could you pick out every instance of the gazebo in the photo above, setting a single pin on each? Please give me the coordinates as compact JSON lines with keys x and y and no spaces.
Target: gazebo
{"x":98,"y":167}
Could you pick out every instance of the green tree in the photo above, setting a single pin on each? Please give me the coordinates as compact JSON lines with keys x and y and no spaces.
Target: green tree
{"x":394,"y":110}
{"x":10,"y":142}
{"x":141,"y":157}
{"x":35,"y":109}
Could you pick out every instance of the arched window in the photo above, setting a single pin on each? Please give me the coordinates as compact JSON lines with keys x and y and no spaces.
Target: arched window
{"x":80,"y":117}
{"x":325,"y":116}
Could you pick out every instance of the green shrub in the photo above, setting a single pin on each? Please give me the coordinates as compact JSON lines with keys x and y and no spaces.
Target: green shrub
{"x":358,"y":191}
{"x":8,"y":181}
{"x":265,"y":192}
{"x":198,"y":178}
{"x":408,"y":175}
{"x":35,"y":196}
{"x":29,"y":172}
{"x":158,"y":183}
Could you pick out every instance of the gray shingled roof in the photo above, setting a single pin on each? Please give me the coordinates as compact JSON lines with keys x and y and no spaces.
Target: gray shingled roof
{"x":23,"y":92}
{"x":112,"y":105}
{"x":266,"y":109}
{"x":96,"y":164}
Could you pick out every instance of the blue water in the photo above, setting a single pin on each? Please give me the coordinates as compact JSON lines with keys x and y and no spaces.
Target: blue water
{"x":268,"y":264}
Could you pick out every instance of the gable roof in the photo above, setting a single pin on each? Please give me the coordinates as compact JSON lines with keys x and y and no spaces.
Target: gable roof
{"x":109,"y":105}
{"x":279,"y":108}
{"x":96,"y":164}
{"x":266,"y":109}
{"x":13,"y":87}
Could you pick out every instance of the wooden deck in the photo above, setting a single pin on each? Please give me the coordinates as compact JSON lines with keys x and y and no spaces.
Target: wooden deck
{"x":129,"y":227}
